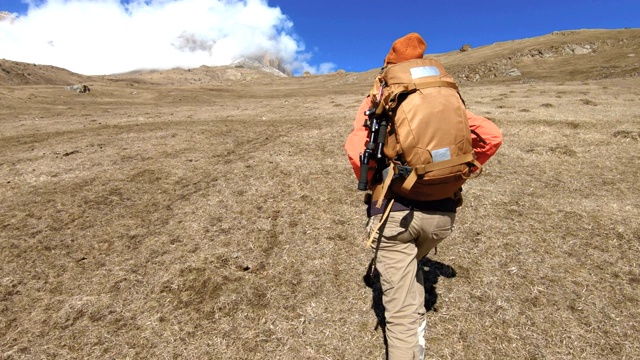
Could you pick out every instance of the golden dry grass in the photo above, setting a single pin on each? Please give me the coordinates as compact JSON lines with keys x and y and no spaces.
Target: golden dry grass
{"x":215,"y":219}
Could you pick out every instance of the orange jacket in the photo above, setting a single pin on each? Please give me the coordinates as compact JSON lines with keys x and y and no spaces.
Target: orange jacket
{"x":484,"y":147}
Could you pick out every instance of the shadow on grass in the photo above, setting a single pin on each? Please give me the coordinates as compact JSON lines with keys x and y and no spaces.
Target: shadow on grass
{"x":431,"y":272}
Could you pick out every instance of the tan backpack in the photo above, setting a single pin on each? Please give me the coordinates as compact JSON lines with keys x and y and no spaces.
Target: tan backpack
{"x":428,"y":141}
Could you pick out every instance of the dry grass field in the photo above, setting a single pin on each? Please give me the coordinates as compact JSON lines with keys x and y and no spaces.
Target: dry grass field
{"x":212,"y":213}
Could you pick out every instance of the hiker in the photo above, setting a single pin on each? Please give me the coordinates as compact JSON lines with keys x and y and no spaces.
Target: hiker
{"x":405,"y":230}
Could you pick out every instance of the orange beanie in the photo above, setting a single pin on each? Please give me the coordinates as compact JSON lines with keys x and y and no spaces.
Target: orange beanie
{"x":408,"y":47}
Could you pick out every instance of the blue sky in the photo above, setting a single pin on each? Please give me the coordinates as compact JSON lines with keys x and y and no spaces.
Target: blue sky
{"x":310,"y":35}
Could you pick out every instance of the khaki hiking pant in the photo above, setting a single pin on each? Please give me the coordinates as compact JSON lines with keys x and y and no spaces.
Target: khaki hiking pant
{"x":407,"y":236}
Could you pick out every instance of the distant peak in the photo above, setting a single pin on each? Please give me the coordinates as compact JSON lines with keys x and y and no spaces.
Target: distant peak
{"x":7,"y":16}
{"x":269,"y":65}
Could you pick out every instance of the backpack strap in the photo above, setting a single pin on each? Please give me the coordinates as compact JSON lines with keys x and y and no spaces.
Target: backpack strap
{"x":424,"y":85}
{"x":423,"y":169}
{"x":409,"y":88}
{"x":430,"y":84}
{"x":382,"y":220}
{"x":381,"y":190}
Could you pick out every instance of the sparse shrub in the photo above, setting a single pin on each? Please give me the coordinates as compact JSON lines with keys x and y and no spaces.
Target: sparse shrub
{"x":588,"y":102}
{"x":627,"y":134}
{"x":524,"y":110}
{"x":546,"y":105}
{"x":563,"y":150}
{"x":554,"y":123}
{"x":574,"y":125}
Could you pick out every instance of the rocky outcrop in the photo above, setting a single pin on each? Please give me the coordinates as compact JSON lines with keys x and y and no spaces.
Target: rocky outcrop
{"x":578,"y":49}
{"x":79,"y":88}
{"x":274,"y":62}
{"x":7,"y":16}
{"x":507,"y":66}
{"x":257,"y":65}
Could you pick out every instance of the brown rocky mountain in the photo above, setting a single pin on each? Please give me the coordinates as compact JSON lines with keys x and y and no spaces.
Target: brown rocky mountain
{"x":19,"y":73}
{"x":7,"y":16}
{"x":561,"y":55}
{"x":274,"y":62}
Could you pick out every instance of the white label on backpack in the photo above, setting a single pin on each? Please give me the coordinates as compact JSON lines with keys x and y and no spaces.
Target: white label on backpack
{"x":424,"y":71}
{"x":440,"y":155}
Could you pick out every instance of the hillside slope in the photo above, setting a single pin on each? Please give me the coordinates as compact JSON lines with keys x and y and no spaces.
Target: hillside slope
{"x":19,"y":73}
{"x":560,"y":56}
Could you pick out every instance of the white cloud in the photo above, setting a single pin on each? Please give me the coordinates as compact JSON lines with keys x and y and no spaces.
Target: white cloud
{"x":95,"y":37}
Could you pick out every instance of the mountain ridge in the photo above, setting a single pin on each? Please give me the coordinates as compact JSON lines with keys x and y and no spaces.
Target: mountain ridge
{"x":586,"y":54}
